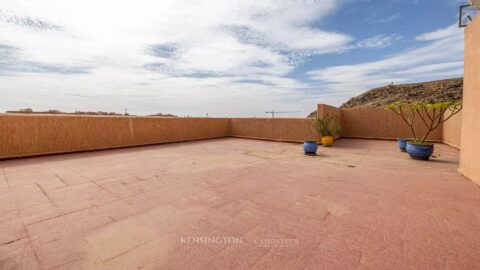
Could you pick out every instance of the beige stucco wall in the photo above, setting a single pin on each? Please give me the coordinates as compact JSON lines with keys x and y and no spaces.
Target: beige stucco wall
{"x":470,"y":138}
{"x":280,"y":129}
{"x":452,"y":130}
{"x":25,"y":135}
{"x":378,"y":123}
{"x":323,"y":109}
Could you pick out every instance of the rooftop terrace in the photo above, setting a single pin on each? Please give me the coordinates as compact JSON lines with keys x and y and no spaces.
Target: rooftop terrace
{"x":359,"y":205}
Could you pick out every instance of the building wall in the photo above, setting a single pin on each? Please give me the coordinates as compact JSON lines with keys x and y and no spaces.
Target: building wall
{"x":452,"y":131}
{"x":26,"y":135}
{"x":279,"y":129}
{"x":470,"y":138}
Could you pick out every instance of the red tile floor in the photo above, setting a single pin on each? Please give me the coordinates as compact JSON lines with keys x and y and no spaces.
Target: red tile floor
{"x":239,"y":204}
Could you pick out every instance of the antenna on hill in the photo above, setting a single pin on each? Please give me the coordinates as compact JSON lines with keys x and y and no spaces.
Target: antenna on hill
{"x":272,"y":112}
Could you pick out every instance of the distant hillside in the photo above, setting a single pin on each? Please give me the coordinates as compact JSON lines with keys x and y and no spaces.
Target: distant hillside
{"x":30,"y":111}
{"x":434,"y":91}
{"x":163,"y":115}
{"x":53,"y":111}
{"x":444,"y":90}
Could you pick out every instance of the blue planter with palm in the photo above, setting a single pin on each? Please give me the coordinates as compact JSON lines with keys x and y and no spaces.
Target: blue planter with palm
{"x":420,"y":151}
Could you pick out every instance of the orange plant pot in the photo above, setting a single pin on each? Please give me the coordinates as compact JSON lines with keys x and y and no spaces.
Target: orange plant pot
{"x":327,"y":141}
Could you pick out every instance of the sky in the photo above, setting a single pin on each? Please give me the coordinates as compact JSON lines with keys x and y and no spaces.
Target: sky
{"x":227,"y":58}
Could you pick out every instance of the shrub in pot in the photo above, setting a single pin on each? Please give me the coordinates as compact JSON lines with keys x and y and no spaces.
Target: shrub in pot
{"x":327,"y":127}
{"x":432,"y":115}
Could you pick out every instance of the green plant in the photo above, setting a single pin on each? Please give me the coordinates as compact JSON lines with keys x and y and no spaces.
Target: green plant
{"x":327,"y":125}
{"x":432,"y":115}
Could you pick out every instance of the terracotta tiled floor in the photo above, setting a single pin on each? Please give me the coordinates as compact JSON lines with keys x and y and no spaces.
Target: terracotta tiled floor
{"x":239,"y":204}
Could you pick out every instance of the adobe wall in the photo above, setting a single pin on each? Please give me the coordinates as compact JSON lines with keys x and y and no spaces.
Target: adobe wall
{"x":278,"y":129}
{"x":27,"y":135}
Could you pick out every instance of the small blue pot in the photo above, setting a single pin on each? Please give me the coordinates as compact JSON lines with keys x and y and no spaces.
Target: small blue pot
{"x":402,"y":144}
{"x":310,"y":147}
{"x":416,"y":151}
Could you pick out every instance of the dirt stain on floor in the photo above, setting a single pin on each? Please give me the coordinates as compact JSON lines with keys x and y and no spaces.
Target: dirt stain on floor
{"x":285,"y":154}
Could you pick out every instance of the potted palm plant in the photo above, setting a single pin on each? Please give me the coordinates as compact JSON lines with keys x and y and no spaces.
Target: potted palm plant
{"x":432,"y":115}
{"x":327,"y":126}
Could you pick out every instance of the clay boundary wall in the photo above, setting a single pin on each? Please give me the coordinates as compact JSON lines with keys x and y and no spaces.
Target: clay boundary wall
{"x":279,"y":129}
{"x":32,"y":135}
{"x":24,"y":135}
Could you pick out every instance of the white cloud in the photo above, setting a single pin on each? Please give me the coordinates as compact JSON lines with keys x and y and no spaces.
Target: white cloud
{"x":390,"y":19}
{"x":197,"y":51}
{"x":439,"y":34}
{"x":119,"y":33}
{"x":224,"y":57}
{"x":442,"y":57}
{"x":379,"y":41}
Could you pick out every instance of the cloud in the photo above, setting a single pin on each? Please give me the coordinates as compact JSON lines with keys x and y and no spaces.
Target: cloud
{"x":10,"y":65}
{"x":28,"y":22}
{"x":224,"y":57}
{"x":439,"y":34}
{"x":390,"y":19}
{"x":185,"y":56}
{"x":202,"y":36}
{"x":379,"y":41}
{"x":441,"y":57}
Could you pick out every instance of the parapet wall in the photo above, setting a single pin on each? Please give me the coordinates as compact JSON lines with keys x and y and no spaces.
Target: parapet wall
{"x":280,"y":129}
{"x":28,"y":135}
{"x":377,"y":123}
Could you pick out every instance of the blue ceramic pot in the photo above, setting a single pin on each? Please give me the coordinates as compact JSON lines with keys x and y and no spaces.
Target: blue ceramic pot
{"x":310,"y":147}
{"x":402,"y":143}
{"x":420,"y":151}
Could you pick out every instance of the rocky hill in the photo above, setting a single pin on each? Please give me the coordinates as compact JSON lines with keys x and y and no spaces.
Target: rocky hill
{"x":434,"y":91}
{"x":443,"y":90}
